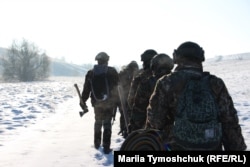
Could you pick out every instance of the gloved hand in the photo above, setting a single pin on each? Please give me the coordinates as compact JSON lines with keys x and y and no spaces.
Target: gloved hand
{"x":84,"y":107}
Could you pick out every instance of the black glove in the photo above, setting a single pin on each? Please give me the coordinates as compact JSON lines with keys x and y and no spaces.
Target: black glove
{"x":84,"y":107}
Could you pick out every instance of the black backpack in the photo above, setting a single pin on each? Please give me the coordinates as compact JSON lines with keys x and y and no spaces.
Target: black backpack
{"x":197,"y":125}
{"x":99,"y":83}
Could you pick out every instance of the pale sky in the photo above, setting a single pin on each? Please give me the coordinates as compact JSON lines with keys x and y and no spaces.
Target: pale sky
{"x":79,"y":29}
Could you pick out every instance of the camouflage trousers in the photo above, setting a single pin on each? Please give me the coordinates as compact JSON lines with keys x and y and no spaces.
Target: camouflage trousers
{"x":103,"y":118}
{"x":137,"y":121}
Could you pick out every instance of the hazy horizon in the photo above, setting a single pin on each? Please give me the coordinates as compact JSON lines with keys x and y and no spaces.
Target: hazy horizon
{"x":78,"y":30}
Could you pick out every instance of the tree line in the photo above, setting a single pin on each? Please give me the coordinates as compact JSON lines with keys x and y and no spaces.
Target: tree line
{"x":24,"y":62}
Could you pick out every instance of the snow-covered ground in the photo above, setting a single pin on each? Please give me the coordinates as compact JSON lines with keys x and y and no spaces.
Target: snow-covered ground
{"x":40,"y":123}
{"x":40,"y":126}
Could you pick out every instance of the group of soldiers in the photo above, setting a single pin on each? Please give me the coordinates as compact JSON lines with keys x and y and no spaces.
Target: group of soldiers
{"x":136,"y":85}
{"x":138,"y":88}
{"x":141,"y":105}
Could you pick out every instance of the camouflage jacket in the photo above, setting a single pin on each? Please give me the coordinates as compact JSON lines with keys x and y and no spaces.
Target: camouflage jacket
{"x":141,"y":99}
{"x":163,"y":104}
{"x":113,"y":79}
{"x":144,"y":91}
{"x":135,"y":83}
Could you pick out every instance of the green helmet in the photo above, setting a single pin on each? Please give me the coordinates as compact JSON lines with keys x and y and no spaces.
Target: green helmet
{"x":189,"y":50}
{"x":161,"y":61}
{"x":102,"y":56}
{"x":148,"y":55}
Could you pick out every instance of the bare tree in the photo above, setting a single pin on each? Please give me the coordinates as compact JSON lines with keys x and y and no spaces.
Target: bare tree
{"x":24,"y":62}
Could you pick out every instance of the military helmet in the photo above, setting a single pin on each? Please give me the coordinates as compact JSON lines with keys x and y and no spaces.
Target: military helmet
{"x":161,"y":61}
{"x":133,"y":65}
{"x":102,"y":56}
{"x":148,"y":55}
{"x":189,"y":50}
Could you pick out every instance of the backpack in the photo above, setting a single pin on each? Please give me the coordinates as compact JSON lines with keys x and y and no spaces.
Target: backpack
{"x":99,"y":83}
{"x":197,"y":125}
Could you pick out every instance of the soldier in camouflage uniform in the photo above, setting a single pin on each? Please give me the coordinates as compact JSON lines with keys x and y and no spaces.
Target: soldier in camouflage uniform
{"x":126,"y":75}
{"x":163,"y":102}
{"x":146,"y":57}
{"x":103,"y":109}
{"x":161,"y":64}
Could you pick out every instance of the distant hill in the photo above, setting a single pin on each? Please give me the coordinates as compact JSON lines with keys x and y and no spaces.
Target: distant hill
{"x":61,"y":68}
{"x":239,"y":56}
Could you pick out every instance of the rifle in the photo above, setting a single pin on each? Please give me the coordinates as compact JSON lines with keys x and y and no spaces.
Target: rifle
{"x":82,"y":104}
{"x":114,"y":114}
{"x":124,"y":109}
